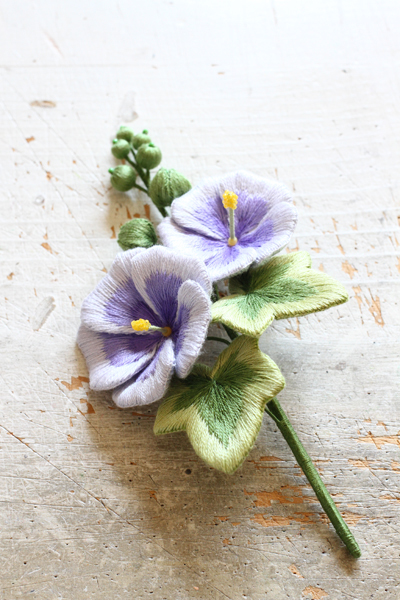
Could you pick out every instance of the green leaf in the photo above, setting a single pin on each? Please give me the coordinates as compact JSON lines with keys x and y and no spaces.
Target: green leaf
{"x":284,"y":287}
{"x":222,"y":408}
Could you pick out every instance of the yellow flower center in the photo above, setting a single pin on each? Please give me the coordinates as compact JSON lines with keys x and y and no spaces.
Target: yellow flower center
{"x":144,"y":325}
{"x":140,"y":325}
{"x":229,"y":199}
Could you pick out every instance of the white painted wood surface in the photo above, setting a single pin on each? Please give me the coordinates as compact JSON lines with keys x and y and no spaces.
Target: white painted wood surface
{"x":92,"y":504}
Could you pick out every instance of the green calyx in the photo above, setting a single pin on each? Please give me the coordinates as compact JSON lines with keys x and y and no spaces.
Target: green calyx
{"x":123,"y":177}
{"x":125,"y":133}
{"x":284,"y":287}
{"x":222,"y":408}
{"x":167,"y":185}
{"x":138,"y":233}
{"x":120,"y":148}
{"x":148,"y":156}
{"x":141,"y":138}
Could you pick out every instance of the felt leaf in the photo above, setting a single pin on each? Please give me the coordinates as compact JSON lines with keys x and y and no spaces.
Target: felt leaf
{"x":222,"y":408}
{"x":284,"y":287}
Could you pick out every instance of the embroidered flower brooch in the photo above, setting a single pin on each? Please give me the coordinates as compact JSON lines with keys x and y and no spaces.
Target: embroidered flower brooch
{"x":146,"y":324}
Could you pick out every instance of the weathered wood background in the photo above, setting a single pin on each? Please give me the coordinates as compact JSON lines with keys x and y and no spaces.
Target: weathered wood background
{"x":92,"y":504}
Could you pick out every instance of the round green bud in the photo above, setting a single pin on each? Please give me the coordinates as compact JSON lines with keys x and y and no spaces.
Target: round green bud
{"x":167,"y":185}
{"x":125,"y":133}
{"x":137,"y":233}
{"x":120,"y":148}
{"x":123,"y":177}
{"x":149,"y":156}
{"x":141,"y":138}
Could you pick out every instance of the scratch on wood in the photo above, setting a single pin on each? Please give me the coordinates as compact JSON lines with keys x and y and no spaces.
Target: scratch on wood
{"x":380,"y":440}
{"x":43,"y":310}
{"x":375,"y":309}
{"x":295,"y":332}
{"x":43,"y":103}
{"x":281,"y":521}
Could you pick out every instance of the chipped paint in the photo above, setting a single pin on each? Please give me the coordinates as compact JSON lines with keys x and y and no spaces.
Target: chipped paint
{"x":316,"y":593}
{"x":380,"y":440}
{"x":76,"y":382}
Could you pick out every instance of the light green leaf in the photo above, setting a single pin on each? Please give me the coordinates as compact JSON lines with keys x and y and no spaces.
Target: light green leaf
{"x":222,"y":408}
{"x":284,"y":287}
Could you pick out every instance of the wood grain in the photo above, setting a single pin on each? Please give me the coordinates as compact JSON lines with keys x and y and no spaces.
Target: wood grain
{"x":93,"y":505}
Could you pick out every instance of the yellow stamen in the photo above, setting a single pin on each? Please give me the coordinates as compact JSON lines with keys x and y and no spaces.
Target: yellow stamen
{"x":144,"y":325}
{"x":140,"y":325}
{"x":229,"y":199}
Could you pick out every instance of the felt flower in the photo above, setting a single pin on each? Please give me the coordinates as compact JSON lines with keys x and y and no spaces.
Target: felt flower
{"x":230,"y":222}
{"x":147,"y":319}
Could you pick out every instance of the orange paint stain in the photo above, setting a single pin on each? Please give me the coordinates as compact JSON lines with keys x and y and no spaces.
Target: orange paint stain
{"x":293,"y":569}
{"x":317,"y":249}
{"x":293,"y":495}
{"x":321,"y":268}
{"x":69,"y":438}
{"x":10,"y":276}
{"x":349,"y":269}
{"x":47,"y":247}
{"x":128,"y":214}
{"x":147,"y":211}
{"x":295,"y":332}
{"x":375,"y":309}
{"x":316,"y":593}
{"x":359,"y":463}
{"x":76,"y":383}
{"x":280,"y":521}
{"x":30,"y":139}
{"x":380,"y":440}
{"x":90,"y":409}
{"x":226,"y":542}
{"x":114,"y":235}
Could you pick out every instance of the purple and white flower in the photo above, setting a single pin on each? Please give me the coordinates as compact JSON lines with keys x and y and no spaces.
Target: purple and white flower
{"x":156,"y":286}
{"x":199,"y":225}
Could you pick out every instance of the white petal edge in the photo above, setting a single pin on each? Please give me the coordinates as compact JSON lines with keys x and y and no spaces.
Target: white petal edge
{"x":93,"y":307}
{"x":192,"y":296}
{"x":102,"y":374}
{"x":160,"y":260}
{"x":153,"y":387}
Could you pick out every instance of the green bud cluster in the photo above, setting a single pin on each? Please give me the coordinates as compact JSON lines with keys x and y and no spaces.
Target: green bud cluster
{"x":140,"y":156}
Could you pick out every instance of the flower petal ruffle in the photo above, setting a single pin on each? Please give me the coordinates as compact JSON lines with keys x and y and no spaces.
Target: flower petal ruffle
{"x":112,"y":359}
{"x":150,"y":384}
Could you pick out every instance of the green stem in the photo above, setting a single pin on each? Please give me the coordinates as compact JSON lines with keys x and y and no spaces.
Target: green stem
{"x":215,"y":293}
{"x":275,"y":411}
{"x":140,"y":187}
{"x":232,"y":334}
{"x":139,"y":170}
{"x":218,"y":339}
{"x":162,"y":211}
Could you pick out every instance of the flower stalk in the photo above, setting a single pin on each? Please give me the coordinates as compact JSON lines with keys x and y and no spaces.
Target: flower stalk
{"x":276,"y":412}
